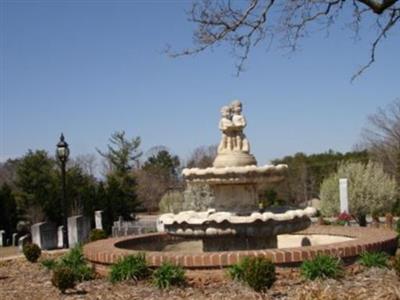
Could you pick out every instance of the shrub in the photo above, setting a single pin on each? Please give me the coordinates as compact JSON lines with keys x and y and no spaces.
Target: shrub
{"x":63,"y":278}
{"x":322,"y":266}
{"x":398,"y":226}
{"x":49,"y":264}
{"x":396,"y":265}
{"x":257,"y":272}
{"x":130,"y":267}
{"x":168,"y":274}
{"x":373,"y":259}
{"x":75,"y":260}
{"x":97,"y":234}
{"x":32,"y":252}
{"x":367,"y":184}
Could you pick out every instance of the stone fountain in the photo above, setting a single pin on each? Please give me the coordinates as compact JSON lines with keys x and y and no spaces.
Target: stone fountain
{"x":234,"y":220}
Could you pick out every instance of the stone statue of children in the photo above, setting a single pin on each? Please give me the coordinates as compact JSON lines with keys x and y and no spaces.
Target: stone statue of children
{"x":225,"y":125}
{"x":239,"y":123}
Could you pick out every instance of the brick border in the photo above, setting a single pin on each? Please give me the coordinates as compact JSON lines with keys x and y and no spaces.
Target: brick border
{"x":104,"y":253}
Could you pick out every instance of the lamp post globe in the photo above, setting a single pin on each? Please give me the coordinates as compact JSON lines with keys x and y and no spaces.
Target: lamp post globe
{"x":62,"y":155}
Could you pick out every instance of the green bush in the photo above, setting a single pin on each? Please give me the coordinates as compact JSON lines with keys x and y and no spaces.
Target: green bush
{"x":49,"y":264}
{"x":130,"y":267}
{"x":373,"y":259}
{"x":398,"y":226}
{"x":97,"y":234}
{"x":32,"y":252}
{"x":63,"y":278}
{"x":257,"y":272}
{"x":322,"y":266}
{"x":396,"y":265}
{"x":167,"y":275}
{"x":76,"y":261}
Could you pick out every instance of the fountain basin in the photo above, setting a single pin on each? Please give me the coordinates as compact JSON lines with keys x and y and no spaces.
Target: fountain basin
{"x":103,"y":253}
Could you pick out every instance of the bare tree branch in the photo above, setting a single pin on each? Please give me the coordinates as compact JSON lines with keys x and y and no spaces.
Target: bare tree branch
{"x":244,"y":24}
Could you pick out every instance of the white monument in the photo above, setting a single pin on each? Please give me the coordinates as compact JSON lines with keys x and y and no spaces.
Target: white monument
{"x":98,"y":214}
{"x":344,"y":200}
{"x":2,"y":238}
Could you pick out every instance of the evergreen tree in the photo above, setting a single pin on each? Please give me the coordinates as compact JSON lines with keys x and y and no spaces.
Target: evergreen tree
{"x":36,"y":183}
{"x":8,"y":211}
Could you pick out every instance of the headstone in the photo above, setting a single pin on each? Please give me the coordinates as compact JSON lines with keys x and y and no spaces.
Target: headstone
{"x":44,"y":235}
{"x":60,"y":237}
{"x":22,"y":241}
{"x":78,"y":230}
{"x":14,"y":239}
{"x":344,"y":201}
{"x":98,"y":219}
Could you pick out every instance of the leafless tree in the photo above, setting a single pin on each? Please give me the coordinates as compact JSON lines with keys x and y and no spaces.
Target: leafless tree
{"x":382,"y":137}
{"x":202,"y":157}
{"x":244,"y":24}
{"x":88,"y":163}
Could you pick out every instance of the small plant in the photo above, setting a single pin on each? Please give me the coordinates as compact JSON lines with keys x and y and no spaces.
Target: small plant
{"x":49,"y":264}
{"x":32,"y":252}
{"x":396,"y":265}
{"x":236,"y":271}
{"x":257,"y":272}
{"x":322,"y":266}
{"x":75,"y":260}
{"x":374,"y":259}
{"x":167,"y":275}
{"x":130,"y":267}
{"x":398,"y":226}
{"x":97,"y":234}
{"x":63,"y":278}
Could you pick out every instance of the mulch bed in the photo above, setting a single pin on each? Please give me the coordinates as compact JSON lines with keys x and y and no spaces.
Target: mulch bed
{"x":20,"y":279}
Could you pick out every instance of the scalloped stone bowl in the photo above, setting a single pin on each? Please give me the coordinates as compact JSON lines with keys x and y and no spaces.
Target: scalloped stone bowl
{"x":222,"y":231}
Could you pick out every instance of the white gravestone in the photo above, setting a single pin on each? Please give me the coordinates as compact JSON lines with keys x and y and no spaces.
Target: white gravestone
{"x":44,"y":235}
{"x":14,"y":239}
{"x":98,"y":214}
{"x":78,"y":230}
{"x":344,"y":200}
{"x":2,"y":238}
{"x":60,"y":237}
{"x":22,"y":241}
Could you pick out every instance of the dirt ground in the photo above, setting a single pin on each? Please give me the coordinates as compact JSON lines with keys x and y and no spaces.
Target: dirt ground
{"x":20,"y":279}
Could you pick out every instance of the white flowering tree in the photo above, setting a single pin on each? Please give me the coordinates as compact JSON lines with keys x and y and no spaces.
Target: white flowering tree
{"x":370,"y":190}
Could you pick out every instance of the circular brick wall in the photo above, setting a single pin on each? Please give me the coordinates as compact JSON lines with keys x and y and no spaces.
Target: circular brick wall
{"x":104,"y":253}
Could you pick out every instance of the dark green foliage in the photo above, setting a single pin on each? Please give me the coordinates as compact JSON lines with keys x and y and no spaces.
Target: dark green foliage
{"x":8,"y":210}
{"x":308,"y":171}
{"x":257,"y":272}
{"x":167,"y":275}
{"x":322,"y":266}
{"x":32,"y":252}
{"x":398,"y":226}
{"x":374,"y":259}
{"x":396,"y":264}
{"x":36,"y":183}
{"x":269,"y":198}
{"x":163,"y":160}
{"x":63,"y":278}
{"x":97,"y":234}
{"x":75,"y":261}
{"x":130,"y":267}
{"x":49,"y":264}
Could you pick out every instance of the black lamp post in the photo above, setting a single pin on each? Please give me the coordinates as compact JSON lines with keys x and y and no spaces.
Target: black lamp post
{"x":62,"y":155}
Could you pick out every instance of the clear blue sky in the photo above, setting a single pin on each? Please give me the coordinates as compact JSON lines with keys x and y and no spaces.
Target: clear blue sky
{"x":89,"y":68}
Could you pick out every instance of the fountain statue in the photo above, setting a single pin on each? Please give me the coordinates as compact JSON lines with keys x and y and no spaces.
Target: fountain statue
{"x":233,"y":220}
